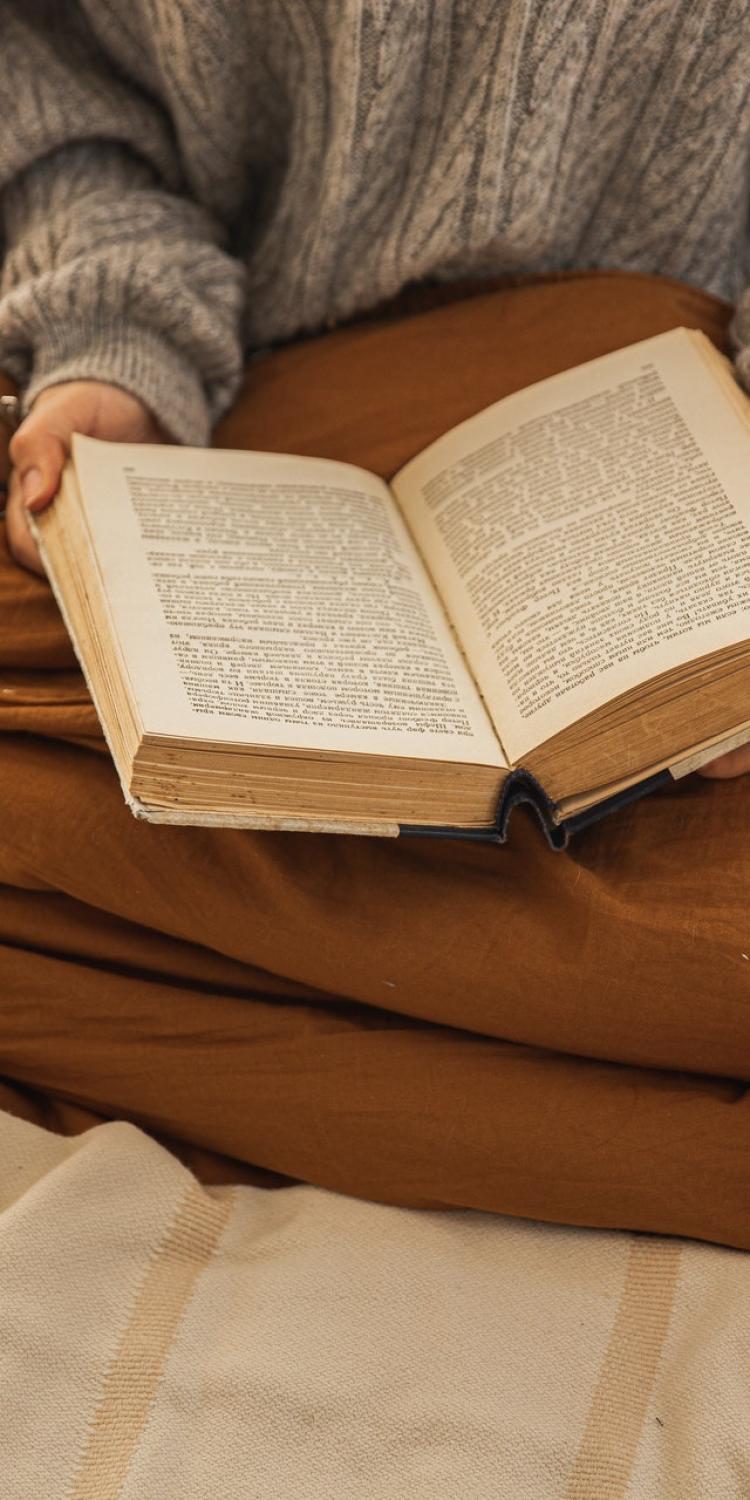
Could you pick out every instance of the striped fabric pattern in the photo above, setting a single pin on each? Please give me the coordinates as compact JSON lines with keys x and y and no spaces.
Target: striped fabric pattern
{"x":186,"y":180}
{"x":162,"y":1339}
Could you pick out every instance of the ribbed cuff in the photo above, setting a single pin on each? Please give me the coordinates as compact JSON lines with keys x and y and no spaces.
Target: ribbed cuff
{"x":134,"y":358}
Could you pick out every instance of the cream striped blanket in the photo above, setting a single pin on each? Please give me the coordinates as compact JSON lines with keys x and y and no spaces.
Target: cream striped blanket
{"x":163,"y":1341}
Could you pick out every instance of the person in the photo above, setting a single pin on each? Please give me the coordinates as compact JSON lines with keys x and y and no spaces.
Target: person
{"x":185,"y":185}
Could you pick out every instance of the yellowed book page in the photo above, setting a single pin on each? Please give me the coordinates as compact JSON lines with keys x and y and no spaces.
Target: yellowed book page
{"x":589,"y":533}
{"x":702,"y":755}
{"x":264,"y":599}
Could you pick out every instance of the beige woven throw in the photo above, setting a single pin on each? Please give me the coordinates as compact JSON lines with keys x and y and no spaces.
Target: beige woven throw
{"x":163,"y":1341}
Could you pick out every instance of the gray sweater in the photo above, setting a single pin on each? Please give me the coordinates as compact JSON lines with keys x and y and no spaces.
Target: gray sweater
{"x":184,"y":180}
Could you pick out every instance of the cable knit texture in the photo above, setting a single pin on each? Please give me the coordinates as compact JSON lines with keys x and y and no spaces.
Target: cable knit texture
{"x":182,"y":181}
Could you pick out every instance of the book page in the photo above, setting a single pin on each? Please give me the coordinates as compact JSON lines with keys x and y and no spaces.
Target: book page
{"x":589,"y":533}
{"x":266,"y":599}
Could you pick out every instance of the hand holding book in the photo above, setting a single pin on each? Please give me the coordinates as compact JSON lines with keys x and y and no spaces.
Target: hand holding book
{"x":734,"y":763}
{"x":551,"y":602}
{"x":41,"y":447}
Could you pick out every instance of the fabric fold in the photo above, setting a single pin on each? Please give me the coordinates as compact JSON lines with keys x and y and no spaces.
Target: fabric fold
{"x":557,"y":1037}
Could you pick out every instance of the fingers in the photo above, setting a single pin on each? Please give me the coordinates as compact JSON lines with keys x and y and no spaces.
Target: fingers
{"x":38,"y":455}
{"x":41,"y":446}
{"x":734,"y":763}
{"x":20,"y":541}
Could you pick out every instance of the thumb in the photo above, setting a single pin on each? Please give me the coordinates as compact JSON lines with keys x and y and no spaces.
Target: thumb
{"x":38,"y":456}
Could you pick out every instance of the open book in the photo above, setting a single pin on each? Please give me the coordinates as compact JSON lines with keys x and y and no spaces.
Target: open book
{"x":551,"y":603}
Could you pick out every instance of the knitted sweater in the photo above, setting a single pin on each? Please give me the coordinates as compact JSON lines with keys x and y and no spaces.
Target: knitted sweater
{"x":182,"y":181}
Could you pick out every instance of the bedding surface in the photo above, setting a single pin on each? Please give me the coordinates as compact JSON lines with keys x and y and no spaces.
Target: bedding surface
{"x":161,"y":1338}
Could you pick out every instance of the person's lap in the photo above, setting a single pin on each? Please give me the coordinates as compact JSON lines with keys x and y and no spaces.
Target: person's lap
{"x":420,"y":1021}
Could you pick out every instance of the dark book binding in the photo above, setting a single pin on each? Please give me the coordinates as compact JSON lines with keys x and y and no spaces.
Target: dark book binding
{"x":521,"y":788}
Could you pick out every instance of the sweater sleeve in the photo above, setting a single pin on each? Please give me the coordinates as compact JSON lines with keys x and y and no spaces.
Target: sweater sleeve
{"x":109,"y":270}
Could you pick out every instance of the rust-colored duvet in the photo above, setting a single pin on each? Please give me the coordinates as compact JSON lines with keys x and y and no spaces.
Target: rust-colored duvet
{"x":426,"y":1023}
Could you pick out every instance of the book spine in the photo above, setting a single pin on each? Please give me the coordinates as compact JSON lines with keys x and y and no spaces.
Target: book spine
{"x":521,"y":788}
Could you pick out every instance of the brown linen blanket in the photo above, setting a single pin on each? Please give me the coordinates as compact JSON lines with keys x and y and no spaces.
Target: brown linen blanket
{"x":565,"y":1037}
